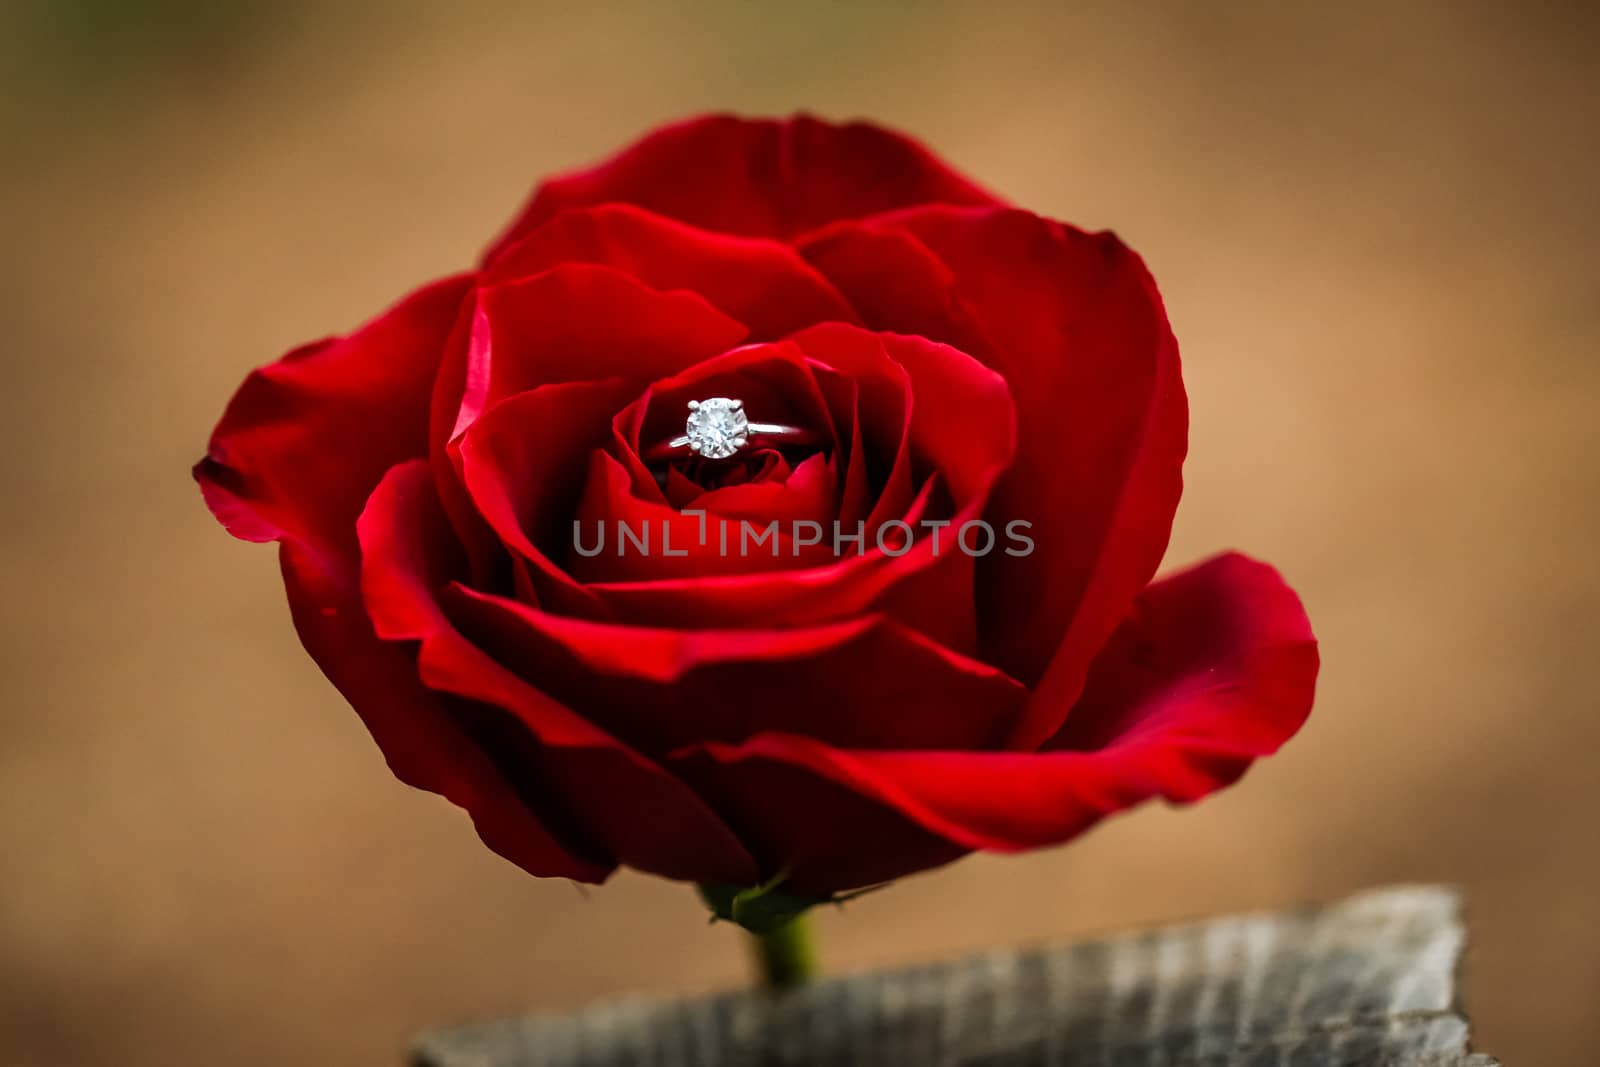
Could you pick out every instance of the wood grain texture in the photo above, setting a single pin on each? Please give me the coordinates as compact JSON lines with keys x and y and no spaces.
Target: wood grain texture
{"x":1372,"y":980}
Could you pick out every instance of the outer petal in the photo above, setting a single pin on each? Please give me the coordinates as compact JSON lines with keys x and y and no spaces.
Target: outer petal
{"x":763,"y":284}
{"x":661,"y":689}
{"x":1074,"y":324}
{"x":892,"y":279}
{"x":268,"y":476}
{"x":819,"y":831}
{"x":757,"y":177}
{"x":623,"y":804}
{"x":426,"y":746}
{"x":305,"y":439}
{"x":1215,"y":667}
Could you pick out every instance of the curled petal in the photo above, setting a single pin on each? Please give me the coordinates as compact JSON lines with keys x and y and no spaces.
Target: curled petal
{"x":362,"y":399}
{"x":958,"y":423}
{"x":923,"y":588}
{"x":1215,"y":667}
{"x":619,"y":538}
{"x":526,"y":486}
{"x":960,"y":420}
{"x":574,"y":322}
{"x":268,"y":476}
{"x":626,"y":807}
{"x":1074,"y":324}
{"x":806,"y":493}
{"x":661,"y":689}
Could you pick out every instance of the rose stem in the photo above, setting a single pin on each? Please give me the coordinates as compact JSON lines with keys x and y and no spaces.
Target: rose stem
{"x":786,"y":956}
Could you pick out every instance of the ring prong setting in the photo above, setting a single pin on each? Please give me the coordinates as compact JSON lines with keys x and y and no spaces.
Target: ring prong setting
{"x":717,"y":427}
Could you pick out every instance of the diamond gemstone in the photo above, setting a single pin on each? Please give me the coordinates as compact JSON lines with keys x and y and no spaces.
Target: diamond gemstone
{"x":716,"y":427}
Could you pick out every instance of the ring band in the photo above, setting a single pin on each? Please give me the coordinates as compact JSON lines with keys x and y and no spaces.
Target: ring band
{"x":717,"y":428}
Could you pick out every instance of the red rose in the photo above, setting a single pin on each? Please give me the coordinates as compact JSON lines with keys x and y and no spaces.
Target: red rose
{"x":835,"y":713}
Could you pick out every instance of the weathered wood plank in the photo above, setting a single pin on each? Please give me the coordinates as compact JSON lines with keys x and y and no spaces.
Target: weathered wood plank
{"x":1371,"y":981}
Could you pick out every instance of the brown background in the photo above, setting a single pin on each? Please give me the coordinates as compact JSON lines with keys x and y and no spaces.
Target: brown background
{"x":1375,"y":226}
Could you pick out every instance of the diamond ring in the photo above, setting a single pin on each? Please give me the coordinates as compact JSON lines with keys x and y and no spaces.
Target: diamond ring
{"x":718,"y":428}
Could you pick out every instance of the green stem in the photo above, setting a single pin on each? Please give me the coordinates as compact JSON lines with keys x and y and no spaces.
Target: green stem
{"x":786,"y":956}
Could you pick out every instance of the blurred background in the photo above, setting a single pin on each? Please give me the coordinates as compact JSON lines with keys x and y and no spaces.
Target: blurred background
{"x":1376,"y":229}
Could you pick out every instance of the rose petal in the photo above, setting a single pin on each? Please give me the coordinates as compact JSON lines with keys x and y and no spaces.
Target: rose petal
{"x":919,"y":588}
{"x":305,"y":439}
{"x":778,"y":385}
{"x":892,"y":279}
{"x":617,"y":537}
{"x":815,"y":829}
{"x":424,"y":745}
{"x":1216,"y":667}
{"x":525,"y":465}
{"x":960,"y":420}
{"x":1223,"y":649}
{"x":631,"y":808}
{"x":872,"y":396}
{"x":268,"y":476}
{"x":758,"y":177}
{"x":761,"y":465}
{"x":577,"y":322}
{"x":963,"y":421}
{"x":661,"y":689}
{"x":763,"y":284}
{"x":807,"y":494}
{"x":1073,"y":322}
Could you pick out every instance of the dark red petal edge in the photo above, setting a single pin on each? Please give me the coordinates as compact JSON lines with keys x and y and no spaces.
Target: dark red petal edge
{"x":1228,"y":672}
{"x":639,"y":813}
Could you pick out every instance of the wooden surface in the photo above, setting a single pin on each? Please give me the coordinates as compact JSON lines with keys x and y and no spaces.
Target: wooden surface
{"x":1369,"y":981}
